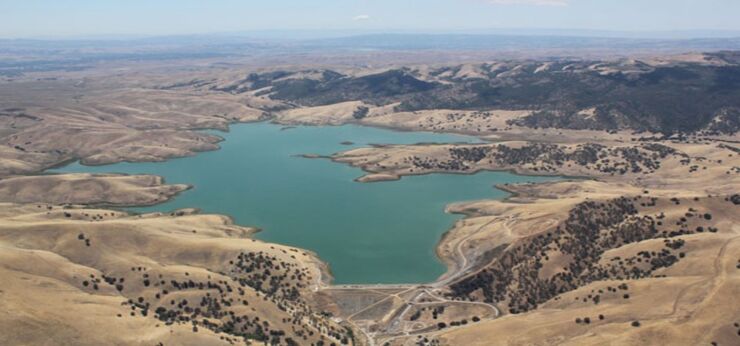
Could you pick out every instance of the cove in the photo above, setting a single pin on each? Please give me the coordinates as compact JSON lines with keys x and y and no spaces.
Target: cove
{"x":382,"y":232}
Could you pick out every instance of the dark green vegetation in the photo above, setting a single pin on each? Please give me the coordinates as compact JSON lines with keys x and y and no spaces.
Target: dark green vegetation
{"x":360,"y":112}
{"x":644,"y":158}
{"x":592,"y":228}
{"x":668,"y":98}
{"x":384,"y":87}
{"x":222,"y":304}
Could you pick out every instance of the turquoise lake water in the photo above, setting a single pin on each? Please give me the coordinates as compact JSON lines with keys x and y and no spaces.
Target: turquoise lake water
{"x":383,"y":232}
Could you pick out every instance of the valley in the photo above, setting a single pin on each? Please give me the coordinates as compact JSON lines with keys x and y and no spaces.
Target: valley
{"x":359,"y":207}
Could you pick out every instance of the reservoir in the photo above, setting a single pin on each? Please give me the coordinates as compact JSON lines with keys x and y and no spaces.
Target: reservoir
{"x":384,"y":232}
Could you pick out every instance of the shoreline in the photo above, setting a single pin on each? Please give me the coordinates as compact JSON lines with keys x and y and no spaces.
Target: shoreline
{"x":560,"y":213}
{"x":326,"y":279}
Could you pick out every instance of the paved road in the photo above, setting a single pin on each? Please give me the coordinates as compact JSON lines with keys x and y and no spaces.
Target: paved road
{"x":372,"y":287}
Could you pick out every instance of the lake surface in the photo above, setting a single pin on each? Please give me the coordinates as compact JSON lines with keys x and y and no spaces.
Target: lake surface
{"x":382,"y":232}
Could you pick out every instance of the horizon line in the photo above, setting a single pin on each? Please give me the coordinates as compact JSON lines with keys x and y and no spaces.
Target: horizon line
{"x":339,"y":33}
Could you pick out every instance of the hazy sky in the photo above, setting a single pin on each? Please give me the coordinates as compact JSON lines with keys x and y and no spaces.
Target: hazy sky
{"x":29,"y":18}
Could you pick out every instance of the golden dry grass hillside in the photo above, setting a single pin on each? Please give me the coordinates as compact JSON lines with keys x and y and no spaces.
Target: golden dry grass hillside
{"x":90,"y":189}
{"x":637,"y":245}
{"x":92,"y":276}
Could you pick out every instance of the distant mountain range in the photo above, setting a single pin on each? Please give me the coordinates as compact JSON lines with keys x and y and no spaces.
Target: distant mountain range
{"x":583,"y":92}
{"x":689,"y":93}
{"x":27,"y":55}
